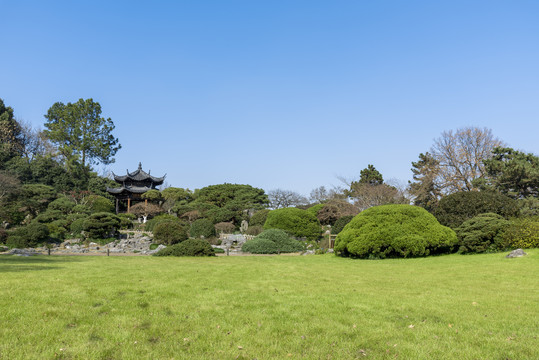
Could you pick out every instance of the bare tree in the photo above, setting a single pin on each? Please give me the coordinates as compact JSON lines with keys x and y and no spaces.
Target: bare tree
{"x":280,"y":198}
{"x":460,"y":156}
{"x":144,"y":210}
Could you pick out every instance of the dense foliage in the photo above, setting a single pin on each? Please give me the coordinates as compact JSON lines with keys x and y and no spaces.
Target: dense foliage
{"x":282,"y":243}
{"x":482,"y":233}
{"x":456,"y":208}
{"x":169,"y":233}
{"x":190,"y":247}
{"x":101,"y":225}
{"x":341,"y":223}
{"x":297,"y":222}
{"x":259,"y":218}
{"x":28,"y":236}
{"x":522,"y":233}
{"x":394,"y":231}
{"x":202,"y":228}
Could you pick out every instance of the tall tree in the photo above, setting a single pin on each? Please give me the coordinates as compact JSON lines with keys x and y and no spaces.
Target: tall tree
{"x":513,"y":172}
{"x":11,"y":142}
{"x":425,"y":189}
{"x":460,"y":155}
{"x":370,"y":190}
{"x":81,"y":133}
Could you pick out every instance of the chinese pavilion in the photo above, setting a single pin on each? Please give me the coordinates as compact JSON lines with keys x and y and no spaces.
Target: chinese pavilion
{"x":133,"y":185}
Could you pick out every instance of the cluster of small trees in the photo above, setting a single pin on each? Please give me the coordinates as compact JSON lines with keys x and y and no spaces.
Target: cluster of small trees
{"x":48,"y":191}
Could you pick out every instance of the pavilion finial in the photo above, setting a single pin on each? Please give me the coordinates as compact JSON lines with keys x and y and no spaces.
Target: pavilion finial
{"x":140,"y":166}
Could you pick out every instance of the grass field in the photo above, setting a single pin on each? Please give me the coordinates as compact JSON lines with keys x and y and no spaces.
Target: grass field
{"x":274,"y":307}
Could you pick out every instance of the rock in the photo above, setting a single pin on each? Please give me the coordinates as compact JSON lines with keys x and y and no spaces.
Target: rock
{"x":516,"y":253}
{"x":22,"y":252}
{"x":151,"y":252}
{"x":308,"y":252}
{"x":331,"y":251}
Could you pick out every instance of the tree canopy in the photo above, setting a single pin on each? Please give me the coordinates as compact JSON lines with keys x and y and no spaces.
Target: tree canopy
{"x":81,"y":133}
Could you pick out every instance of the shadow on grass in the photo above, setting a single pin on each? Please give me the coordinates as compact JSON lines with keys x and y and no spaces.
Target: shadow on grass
{"x":11,"y":263}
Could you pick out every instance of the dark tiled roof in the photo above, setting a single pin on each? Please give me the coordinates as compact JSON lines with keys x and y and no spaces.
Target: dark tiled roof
{"x":128,"y":189}
{"x":139,"y":175}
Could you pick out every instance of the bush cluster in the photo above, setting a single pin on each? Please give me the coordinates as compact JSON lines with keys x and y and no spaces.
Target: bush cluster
{"x":101,"y":225}
{"x":202,"y":228}
{"x":341,"y":223}
{"x":191,"y":247}
{"x":394,"y":231}
{"x":297,"y":222}
{"x":483,"y":233}
{"x":259,"y":218}
{"x":522,"y":233}
{"x":153,"y":222}
{"x":454,"y":209}
{"x":28,"y":236}
{"x":169,"y":233}
{"x":272,"y":241}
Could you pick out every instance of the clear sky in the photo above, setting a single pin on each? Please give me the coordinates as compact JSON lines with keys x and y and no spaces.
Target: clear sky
{"x":277,"y":94}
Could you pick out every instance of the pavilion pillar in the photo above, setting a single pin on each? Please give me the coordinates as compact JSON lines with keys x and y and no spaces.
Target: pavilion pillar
{"x":117,"y":207}
{"x":128,"y":205}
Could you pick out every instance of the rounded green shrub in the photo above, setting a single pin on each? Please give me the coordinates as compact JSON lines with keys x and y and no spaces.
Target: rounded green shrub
{"x":62,"y":204}
{"x":77,"y":226}
{"x":152,"y":223}
{"x":101,"y":225}
{"x":16,"y":241}
{"x":29,"y":235}
{"x":315,"y":209}
{"x":482,"y":233}
{"x":284,"y":242}
{"x":259,"y":218}
{"x":126,"y":220}
{"x":394,"y":231}
{"x":522,"y":233}
{"x":202,"y":228}
{"x":340,"y":224}
{"x":169,"y":233}
{"x":454,"y":209}
{"x":260,"y":246}
{"x":98,"y":203}
{"x":297,"y":222}
{"x":190,"y":247}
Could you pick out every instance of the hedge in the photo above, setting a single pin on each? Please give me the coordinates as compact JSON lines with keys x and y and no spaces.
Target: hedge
{"x":297,"y":222}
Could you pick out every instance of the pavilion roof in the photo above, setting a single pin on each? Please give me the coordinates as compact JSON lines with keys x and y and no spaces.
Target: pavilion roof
{"x":139,"y":175}
{"x":128,"y":189}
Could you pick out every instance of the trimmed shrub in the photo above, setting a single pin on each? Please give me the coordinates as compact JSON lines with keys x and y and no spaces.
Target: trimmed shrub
{"x":77,"y":226}
{"x":202,"y":228}
{"x":98,"y":204}
{"x":340,"y":224}
{"x":482,"y":233}
{"x":394,"y":231}
{"x":282,"y":241}
{"x":49,"y":216}
{"x":522,"y":233}
{"x":297,"y":222}
{"x":315,"y":209}
{"x":169,"y":233}
{"x":190,"y":247}
{"x":101,"y":225}
{"x":152,"y":223}
{"x":259,"y":218}
{"x":62,"y":204}
{"x":224,"y":227}
{"x":260,"y":246}
{"x":456,"y":208}
{"x":29,"y":235}
{"x":82,"y":209}
{"x":126,"y":221}
{"x":254,"y":230}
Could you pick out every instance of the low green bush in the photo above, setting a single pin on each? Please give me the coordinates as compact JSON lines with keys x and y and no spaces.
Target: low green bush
{"x":218,"y":250}
{"x":126,"y":221}
{"x":297,"y":222}
{"x":254,"y":230}
{"x":260,"y":246}
{"x":190,"y":247}
{"x":394,"y":231}
{"x":482,"y":233}
{"x":340,"y":224}
{"x":284,"y":243}
{"x":315,"y":209}
{"x":62,"y":204}
{"x":152,"y":223}
{"x":522,"y":233}
{"x":101,"y":225}
{"x":202,"y":228}
{"x":99,"y":204}
{"x":258,"y":218}
{"x":169,"y":233}
{"x":77,"y":226}
{"x":28,"y":236}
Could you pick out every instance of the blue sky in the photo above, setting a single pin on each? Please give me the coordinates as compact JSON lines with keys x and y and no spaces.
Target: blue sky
{"x":277,"y":94}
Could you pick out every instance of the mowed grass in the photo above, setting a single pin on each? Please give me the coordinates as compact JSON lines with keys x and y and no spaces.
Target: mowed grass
{"x":275,"y":307}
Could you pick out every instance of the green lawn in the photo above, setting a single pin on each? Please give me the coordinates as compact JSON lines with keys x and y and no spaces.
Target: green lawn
{"x":276,"y":307}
